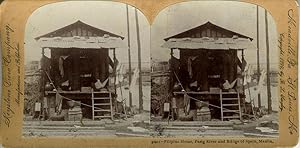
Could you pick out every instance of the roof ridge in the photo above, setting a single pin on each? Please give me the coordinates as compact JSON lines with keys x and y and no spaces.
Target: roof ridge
{"x":77,"y":22}
{"x":206,"y":23}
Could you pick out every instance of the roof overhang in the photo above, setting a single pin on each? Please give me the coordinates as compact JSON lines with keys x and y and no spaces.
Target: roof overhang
{"x":210,"y":43}
{"x":82,"y":42}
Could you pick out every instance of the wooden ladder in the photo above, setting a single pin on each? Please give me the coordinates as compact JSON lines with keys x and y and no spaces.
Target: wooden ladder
{"x":102,"y":105}
{"x":230,"y":105}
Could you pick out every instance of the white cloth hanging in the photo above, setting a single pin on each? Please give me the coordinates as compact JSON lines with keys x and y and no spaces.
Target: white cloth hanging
{"x":100,"y":85}
{"x":190,"y":61}
{"x":61,"y":65}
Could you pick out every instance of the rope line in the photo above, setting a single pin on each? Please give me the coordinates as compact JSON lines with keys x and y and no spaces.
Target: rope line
{"x":51,"y":82}
{"x":206,"y":102}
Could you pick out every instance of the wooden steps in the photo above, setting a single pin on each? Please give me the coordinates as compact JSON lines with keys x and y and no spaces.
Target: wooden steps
{"x":230,"y":106}
{"x":233,"y":111}
{"x":225,"y":99}
{"x":231,"y":117}
{"x":102,"y":105}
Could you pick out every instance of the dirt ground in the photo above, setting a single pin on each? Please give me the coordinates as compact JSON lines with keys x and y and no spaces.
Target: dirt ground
{"x":136,"y":126}
{"x":266,"y":126}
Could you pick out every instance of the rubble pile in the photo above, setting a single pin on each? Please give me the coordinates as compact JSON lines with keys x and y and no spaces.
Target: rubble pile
{"x":159,"y":94}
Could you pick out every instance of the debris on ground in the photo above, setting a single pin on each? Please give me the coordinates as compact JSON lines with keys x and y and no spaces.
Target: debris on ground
{"x":267,"y":130}
{"x":138,"y":129}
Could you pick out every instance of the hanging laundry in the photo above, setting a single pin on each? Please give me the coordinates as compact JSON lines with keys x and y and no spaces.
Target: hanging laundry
{"x":66,"y":83}
{"x":186,"y":102}
{"x":194,"y":84}
{"x":58,"y":103}
{"x":190,"y":62}
{"x":247,"y":74}
{"x":61,"y":65}
{"x":134,"y":79}
{"x":241,"y":63}
{"x":228,"y":85}
{"x":261,"y":81}
{"x":111,"y":62}
{"x":100,"y":85}
{"x":120,"y":74}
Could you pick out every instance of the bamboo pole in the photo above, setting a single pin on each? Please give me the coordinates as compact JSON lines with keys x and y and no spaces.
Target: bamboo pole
{"x":115,"y":79}
{"x":43,"y":83}
{"x":244,"y":96}
{"x":171,"y":85}
{"x":257,"y":52}
{"x":268,"y":65}
{"x":129,"y":56}
{"x":139,"y":63}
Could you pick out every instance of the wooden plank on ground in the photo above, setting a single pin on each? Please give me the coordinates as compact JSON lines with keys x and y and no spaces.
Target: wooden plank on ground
{"x":66,"y":130}
{"x":122,"y":134}
{"x":197,"y":128}
{"x":62,"y":127}
{"x":66,"y":123}
{"x":193,"y":123}
{"x":73,"y":134}
{"x":216,"y":133}
{"x":260,"y":135}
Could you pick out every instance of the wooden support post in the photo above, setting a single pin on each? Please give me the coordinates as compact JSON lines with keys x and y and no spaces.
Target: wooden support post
{"x":115,"y":79}
{"x":221,"y":105}
{"x":129,"y":56}
{"x":171,"y":73}
{"x":93,"y":109}
{"x":268,"y":65}
{"x":139,"y":63}
{"x":257,"y":53}
{"x":171,"y":83}
{"x":111,"y":109}
{"x":42,"y":84}
{"x":239,"y":101}
{"x":243,"y":68}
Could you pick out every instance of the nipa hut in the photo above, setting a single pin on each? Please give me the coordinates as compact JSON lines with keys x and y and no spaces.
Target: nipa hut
{"x":206,"y":80}
{"x":79,"y":72}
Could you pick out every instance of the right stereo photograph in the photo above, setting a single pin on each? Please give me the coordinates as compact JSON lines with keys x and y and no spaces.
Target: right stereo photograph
{"x":214,"y":73}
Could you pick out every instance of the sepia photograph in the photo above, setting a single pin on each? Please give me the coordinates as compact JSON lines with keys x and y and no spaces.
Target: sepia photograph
{"x":87,"y":71}
{"x":134,"y":73}
{"x":214,"y":73}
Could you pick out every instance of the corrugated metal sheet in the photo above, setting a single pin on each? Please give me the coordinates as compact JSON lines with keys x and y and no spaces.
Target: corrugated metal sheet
{"x":210,"y":43}
{"x":82,"y":42}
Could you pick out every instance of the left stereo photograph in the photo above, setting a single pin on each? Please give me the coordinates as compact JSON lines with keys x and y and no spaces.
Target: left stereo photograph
{"x":87,"y":72}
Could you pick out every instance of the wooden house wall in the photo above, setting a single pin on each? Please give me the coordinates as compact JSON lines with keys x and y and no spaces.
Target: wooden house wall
{"x":220,"y":62}
{"x":81,"y":61}
{"x":218,"y":65}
